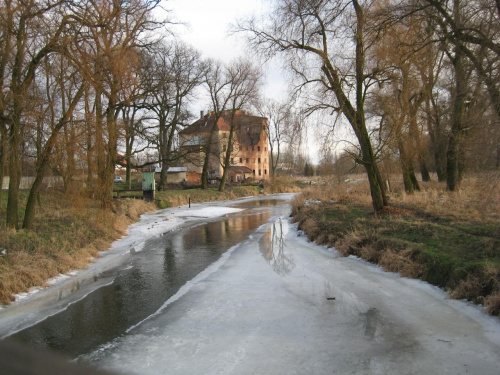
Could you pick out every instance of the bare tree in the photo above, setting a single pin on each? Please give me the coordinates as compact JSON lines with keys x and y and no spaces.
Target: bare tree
{"x":217,"y":84}
{"x":467,"y":32}
{"x":243,"y":90}
{"x":31,"y":31}
{"x":43,"y":159}
{"x":107,"y":54}
{"x":174,"y":73}
{"x":279,"y":116}
{"x":308,"y":30}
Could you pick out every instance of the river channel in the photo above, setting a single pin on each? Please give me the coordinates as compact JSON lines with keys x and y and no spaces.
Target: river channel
{"x":152,"y":276}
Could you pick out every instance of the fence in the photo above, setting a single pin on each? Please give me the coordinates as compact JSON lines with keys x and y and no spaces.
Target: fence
{"x":26,"y":182}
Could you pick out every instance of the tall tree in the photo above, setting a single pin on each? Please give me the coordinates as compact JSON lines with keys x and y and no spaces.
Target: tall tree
{"x":217,"y":84}
{"x":31,"y":31}
{"x":311,"y":30}
{"x":467,"y":32}
{"x":244,"y":90}
{"x":174,"y":73}
{"x":107,"y":54}
{"x":278,"y":116}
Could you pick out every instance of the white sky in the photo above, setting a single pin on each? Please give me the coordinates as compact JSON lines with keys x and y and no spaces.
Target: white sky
{"x":207,"y":25}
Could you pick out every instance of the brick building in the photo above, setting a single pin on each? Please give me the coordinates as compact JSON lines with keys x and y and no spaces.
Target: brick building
{"x":249,"y":156}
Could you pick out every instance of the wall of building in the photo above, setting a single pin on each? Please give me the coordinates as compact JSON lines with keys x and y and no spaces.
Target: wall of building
{"x":246,"y":151}
{"x":26,"y":182}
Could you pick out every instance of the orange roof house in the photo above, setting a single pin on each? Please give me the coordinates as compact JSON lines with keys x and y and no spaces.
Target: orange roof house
{"x":249,"y":156}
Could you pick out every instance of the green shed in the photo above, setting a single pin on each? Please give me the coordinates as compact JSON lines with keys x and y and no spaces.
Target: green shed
{"x":148,"y":185}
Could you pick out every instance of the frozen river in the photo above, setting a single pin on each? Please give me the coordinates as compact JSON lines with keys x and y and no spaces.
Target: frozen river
{"x":246,"y":294}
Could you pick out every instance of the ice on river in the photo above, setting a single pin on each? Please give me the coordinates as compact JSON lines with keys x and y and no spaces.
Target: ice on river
{"x":40,"y":303}
{"x":277,"y":304}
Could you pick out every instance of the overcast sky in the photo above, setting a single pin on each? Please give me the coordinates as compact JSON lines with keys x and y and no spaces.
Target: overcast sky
{"x":207,"y":24}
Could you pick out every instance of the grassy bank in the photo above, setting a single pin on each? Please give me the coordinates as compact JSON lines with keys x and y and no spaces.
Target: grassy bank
{"x":451,"y":240}
{"x":68,"y":232}
{"x":71,"y":230}
{"x":174,"y":198}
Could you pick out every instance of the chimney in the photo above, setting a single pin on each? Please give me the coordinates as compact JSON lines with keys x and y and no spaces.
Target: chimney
{"x":202,"y":114}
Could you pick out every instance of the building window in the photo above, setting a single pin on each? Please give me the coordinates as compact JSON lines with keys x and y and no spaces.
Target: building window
{"x":232,"y":160}
{"x":258,"y":148}
{"x":259,"y":160}
{"x":241,"y":160}
{"x":254,"y":172}
{"x":265,"y":148}
{"x":265,"y":171}
{"x":260,"y":172}
{"x":224,"y":135}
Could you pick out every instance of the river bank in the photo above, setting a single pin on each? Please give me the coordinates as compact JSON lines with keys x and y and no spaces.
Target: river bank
{"x":66,"y":288}
{"x":71,"y":230}
{"x":448,"y":239}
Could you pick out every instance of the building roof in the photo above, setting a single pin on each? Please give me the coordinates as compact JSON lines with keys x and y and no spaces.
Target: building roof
{"x":172,"y":169}
{"x":204,"y":125}
{"x":249,"y":128}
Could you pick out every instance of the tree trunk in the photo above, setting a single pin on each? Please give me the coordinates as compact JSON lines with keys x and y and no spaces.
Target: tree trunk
{"x":15,"y":127}
{"x":227,"y":157}
{"x":377,"y":188}
{"x":3,"y":156}
{"x":110,"y":165}
{"x":454,"y":165}
{"x":424,"y":171}
{"x":89,"y":122}
{"x":43,"y":161}
{"x":163,"y":151}
{"x":497,"y":165}
{"x":99,"y":146}
{"x":207,"y":149}
{"x":12,"y":218}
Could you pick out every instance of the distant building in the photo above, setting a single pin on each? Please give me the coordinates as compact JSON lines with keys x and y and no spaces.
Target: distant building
{"x":249,"y":155}
{"x":175,"y":174}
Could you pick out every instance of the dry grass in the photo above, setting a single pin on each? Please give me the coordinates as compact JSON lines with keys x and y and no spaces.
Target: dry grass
{"x":281,"y":185}
{"x":477,"y":200}
{"x":450,"y":239}
{"x":175,"y":198}
{"x":492,"y":304}
{"x":68,"y":233}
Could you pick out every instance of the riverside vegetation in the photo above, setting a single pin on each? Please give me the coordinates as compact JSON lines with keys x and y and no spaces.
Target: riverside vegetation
{"x":70,"y":230}
{"x":449,"y":239}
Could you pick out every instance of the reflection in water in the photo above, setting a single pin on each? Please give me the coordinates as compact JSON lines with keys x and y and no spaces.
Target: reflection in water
{"x":272,"y":246}
{"x":260,"y":202}
{"x":156,"y":274}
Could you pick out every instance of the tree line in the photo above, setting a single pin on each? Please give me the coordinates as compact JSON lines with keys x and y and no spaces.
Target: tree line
{"x":86,"y":86}
{"x":415,"y":80}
